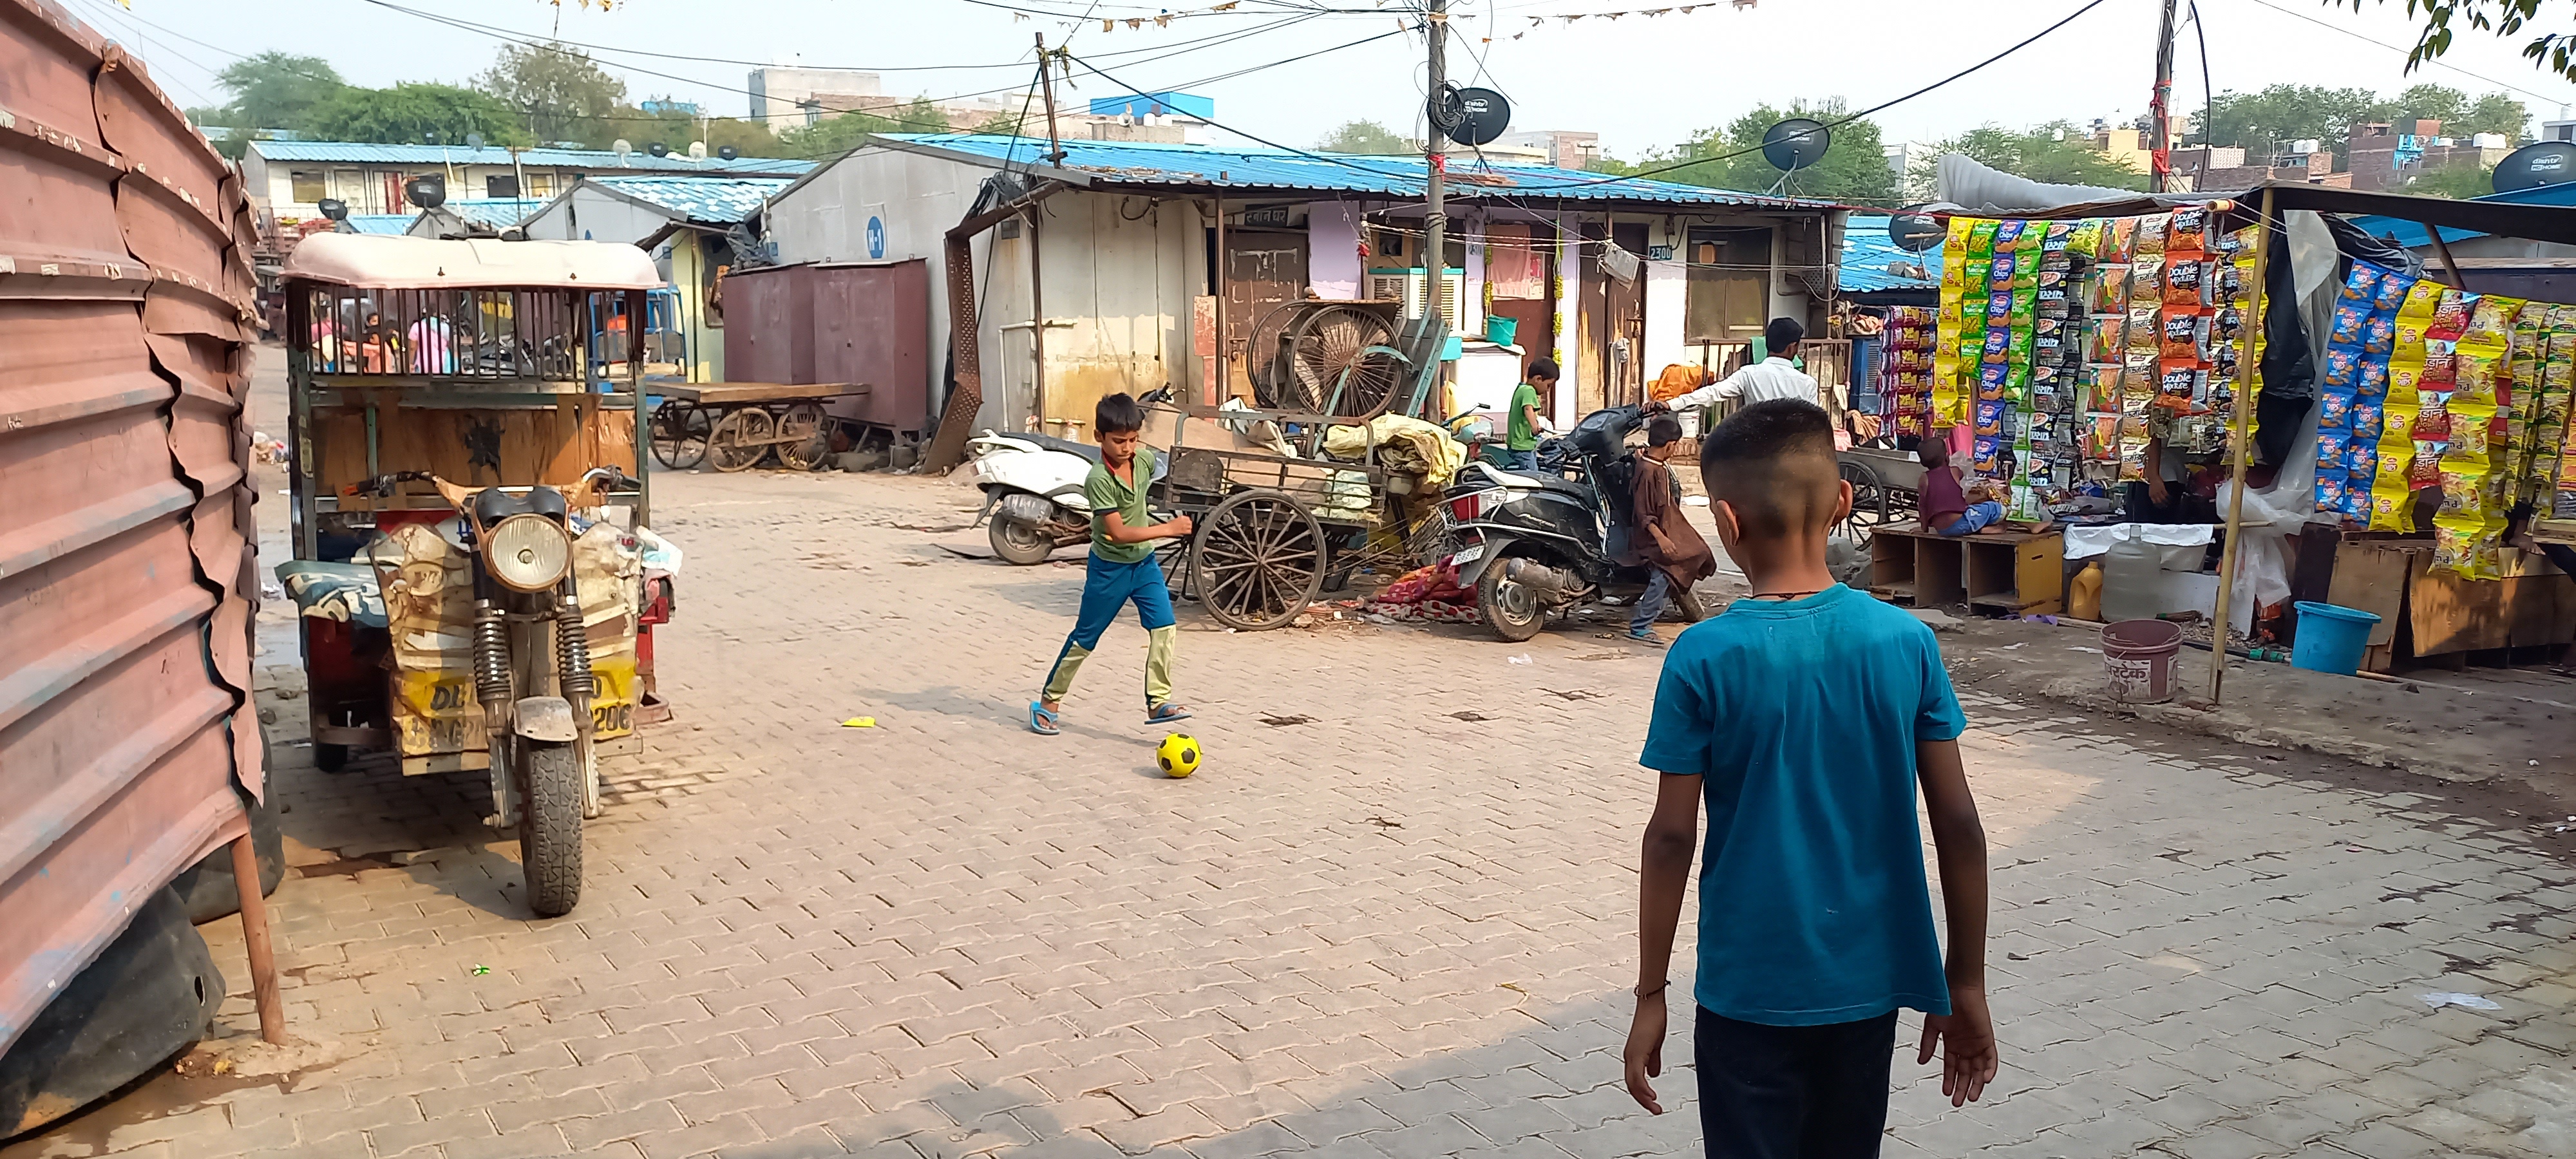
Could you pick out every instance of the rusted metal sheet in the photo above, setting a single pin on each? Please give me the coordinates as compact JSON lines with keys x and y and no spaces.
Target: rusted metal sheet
{"x":127,"y":552}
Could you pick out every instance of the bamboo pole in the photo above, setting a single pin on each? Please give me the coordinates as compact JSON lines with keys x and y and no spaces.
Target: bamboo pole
{"x":263,"y":959}
{"x":2239,"y":448}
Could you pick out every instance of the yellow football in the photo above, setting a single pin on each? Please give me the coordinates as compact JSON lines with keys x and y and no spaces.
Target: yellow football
{"x":1178,"y":754}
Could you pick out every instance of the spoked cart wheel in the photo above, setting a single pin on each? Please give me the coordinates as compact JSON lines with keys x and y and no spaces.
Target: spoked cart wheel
{"x":1337,"y":357}
{"x":680,"y":434}
{"x":1870,"y":503}
{"x":804,"y":436}
{"x":1258,"y":559}
{"x":740,"y":439}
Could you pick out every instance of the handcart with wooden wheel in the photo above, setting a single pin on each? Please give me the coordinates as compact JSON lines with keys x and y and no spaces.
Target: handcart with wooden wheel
{"x":735,"y":426}
{"x":1886,"y":486}
{"x":1276,"y":530}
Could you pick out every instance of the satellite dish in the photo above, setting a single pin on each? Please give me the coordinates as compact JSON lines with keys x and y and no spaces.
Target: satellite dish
{"x":697,"y":150}
{"x":658,"y":149}
{"x":728,"y":152}
{"x":334,"y":208}
{"x":1795,"y":143}
{"x":473,"y":140}
{"x":426,"y":192}
{"x":428,"y":137}
{"x":2534,"y":165}
{"x":621,"y":147}
{"x":1915,"y":232}
{"x":1471,"y":116}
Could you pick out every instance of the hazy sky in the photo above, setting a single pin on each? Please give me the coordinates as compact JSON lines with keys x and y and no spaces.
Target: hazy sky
{"x":1640,"y":82}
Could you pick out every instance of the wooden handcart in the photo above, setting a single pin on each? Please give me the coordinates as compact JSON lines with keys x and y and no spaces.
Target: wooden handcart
{"x":736,"y":425}
{"x":1274,"y":531}
{"x":1887,"y":487}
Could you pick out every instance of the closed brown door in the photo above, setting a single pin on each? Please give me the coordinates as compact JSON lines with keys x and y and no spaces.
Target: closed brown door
{"x":1627,"y":315}
{"x":1263,"y":269}
{"x":1591,"y":374}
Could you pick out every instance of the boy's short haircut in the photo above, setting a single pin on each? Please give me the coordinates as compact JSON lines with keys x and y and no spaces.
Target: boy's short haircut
{"x":1773,"y":464}
{"x":1117,"y":414}
{"x":1663,"y":429}
{"x":1934,"y":450}
{"x":1543,"y":368}
{"x":1782,"y":333}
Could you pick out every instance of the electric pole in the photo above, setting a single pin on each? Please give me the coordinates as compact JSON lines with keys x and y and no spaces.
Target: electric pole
{"x":1435,"y":223}
{"x":1046,"y":81}
{"x":2159,"y":107}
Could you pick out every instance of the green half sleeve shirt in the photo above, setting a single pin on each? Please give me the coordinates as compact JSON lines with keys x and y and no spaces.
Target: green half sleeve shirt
{"x":1106,"y":492}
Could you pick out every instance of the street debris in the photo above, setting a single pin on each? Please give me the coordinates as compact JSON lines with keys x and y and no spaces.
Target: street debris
{"x":1523,"y":658}
{"x":1285,"y":721}
{"x":860,"y":722}
{"x":2440,"y":999}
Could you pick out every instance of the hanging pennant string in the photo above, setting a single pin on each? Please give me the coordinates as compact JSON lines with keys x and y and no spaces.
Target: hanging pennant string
{"x":1571,"y":17}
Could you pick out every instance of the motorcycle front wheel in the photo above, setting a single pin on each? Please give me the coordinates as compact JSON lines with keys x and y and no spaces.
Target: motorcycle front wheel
{"x":550,"y":828}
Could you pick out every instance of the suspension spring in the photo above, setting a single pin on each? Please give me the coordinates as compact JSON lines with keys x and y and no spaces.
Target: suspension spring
{"x":491,"y":654}
{"x":572,"y":651}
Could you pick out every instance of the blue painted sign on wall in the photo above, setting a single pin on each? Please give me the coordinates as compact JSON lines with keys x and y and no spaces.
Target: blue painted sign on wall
{"x":876,"y":237}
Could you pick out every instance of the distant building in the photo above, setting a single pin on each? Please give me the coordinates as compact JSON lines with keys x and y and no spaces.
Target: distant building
{"x":2227,"y":167}
{"x":689,"y":224}
{"x":791,"y":98}
{"x":288,"y":180}
{"x":1905,"y":157}
{"x":2557,"y":131}
{"x":1558,"y":147}
{"x":681,"y":108}
{"x":795,"y":98}
{"x":2381,"y":158}
{"x":2130,"y":146}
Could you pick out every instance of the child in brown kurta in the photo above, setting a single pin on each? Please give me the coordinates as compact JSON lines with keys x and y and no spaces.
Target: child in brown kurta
{"x":1672,"y":550}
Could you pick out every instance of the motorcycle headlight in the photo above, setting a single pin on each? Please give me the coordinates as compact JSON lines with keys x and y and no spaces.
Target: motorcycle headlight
{"x":527,"y":553}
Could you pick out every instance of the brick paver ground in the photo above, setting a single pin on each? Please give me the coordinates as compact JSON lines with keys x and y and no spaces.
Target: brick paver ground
{"x":1394,"y":915}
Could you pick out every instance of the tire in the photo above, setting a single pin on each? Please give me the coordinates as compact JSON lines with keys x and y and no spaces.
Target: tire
{"x":1018,"y":543}
{"x":550,"y":831}
{"x":1510,"y":608}
{"x":330,"y":758}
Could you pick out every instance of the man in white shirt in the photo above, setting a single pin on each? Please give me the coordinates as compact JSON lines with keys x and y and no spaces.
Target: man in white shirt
{"x":1773,"y":377}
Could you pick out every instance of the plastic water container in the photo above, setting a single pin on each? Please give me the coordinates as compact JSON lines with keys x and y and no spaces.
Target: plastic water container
{"x":2331,"y":638}
{"x":2139,"y":658}
{"x":1500,"y":331}
{"x":2129,"y":579}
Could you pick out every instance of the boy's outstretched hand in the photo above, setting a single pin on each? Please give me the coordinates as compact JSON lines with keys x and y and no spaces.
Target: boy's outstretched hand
{"x":1966,"y":1038}
{"x":1645,"y":1051}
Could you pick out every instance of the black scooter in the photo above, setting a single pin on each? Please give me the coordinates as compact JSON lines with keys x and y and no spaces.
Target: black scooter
{"x":1543,"y":543}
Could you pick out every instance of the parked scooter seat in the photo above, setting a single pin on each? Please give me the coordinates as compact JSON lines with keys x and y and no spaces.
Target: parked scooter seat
{"x":1089,"y":451}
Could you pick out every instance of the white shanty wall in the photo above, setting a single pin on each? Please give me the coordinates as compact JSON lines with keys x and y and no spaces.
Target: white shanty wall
{"x":590,"y":213}
{"x":1667,"y":308}
{"x":1569,"y":319}
{"x":1117,"y":295}
{"x":915,"y":199}
{"x":1333,"y":249}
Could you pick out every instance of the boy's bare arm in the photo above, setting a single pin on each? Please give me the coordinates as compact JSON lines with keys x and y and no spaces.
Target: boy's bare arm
{"x":1173,"y":528}
{"x":1966,"y":1035}
{"x":1672,"y":836}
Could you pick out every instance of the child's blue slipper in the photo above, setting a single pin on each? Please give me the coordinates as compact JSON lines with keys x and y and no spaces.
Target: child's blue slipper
{"x":1041,"y":721}
{"x":1166,"y":713}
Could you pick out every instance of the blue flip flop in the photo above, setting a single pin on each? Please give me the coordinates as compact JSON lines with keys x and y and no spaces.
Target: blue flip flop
{"x":1041,"y":721}
{"x":1166,"y":713}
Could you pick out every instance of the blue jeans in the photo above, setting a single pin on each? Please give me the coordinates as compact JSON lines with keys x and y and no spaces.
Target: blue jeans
{"x":1521,"y":460}
{"x":1106,"y":587}
{"x":1978,"y":517}
{"x":1650,"y":606}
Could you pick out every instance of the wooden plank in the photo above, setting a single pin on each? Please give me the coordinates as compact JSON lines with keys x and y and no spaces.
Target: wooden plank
{"x":732,"y":393}
{"x":2451,"y":614}
{"x":2370,"y":576}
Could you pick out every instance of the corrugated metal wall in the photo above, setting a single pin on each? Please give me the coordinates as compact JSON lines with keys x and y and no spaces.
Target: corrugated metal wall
{"x":127,"y":557}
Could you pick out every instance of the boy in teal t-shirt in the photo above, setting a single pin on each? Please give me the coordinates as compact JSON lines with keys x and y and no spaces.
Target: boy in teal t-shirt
{"x":1521,"y":436}
{"x":1120,"y":569}
{"x":1806,"y":716}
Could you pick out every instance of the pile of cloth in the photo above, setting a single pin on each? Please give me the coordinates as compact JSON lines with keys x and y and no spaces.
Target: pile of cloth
{"x":1405,"y":444}
{"x":1429,"y":594}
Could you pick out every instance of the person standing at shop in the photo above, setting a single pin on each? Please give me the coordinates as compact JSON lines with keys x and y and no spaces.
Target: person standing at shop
{"x":1776,"y":376}
{"x":1521,"y":437}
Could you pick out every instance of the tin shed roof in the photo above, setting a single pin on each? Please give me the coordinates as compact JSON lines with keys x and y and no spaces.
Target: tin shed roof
{"x":380,"y":223}
{"x":497,"y":212}
{"x":1872,"y":264}
{"x":1116,"y":163}
{"x":367,"y":152}
{"x":706,"y":200}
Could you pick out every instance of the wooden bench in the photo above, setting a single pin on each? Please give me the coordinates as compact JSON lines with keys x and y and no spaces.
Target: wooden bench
{"x":2009,"y":573}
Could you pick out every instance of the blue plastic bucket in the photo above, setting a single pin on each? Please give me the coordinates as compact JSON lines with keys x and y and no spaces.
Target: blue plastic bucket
{"x":2331,"y":638}
{"x":1501,"y":331}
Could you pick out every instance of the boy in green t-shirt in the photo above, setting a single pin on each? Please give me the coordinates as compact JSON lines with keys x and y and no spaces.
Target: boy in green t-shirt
{"x":1121,"y":567}
{"x":1521,"y":438}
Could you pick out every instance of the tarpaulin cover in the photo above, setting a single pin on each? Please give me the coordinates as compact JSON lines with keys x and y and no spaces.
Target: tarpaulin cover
{"x":372,"y":262}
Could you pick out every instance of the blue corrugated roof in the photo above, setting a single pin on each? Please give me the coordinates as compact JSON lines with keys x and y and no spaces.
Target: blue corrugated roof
{"x":2411,"y":234}
{"x":1868,"y":256}
{"x":497,"y":212}
{"x":363,"y":152}
{"x":709,"y":200}
{"x":1144,"y":163}
{"x":387,"y":223}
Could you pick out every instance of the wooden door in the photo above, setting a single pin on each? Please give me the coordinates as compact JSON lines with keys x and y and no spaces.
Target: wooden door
{"x":1518,"y":278}
{"x":1626,"y":383}
{"x":1263,"y":269}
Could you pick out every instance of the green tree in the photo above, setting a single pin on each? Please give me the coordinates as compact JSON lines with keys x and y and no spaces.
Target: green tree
{"x":417,"y":113}
{"x":273,"y":90}
{"x":2431,"y":102}
{"x":2454,"y":181}
{"x":2496,"y":113}
{"x":2055,"y":152}
{"x":1854,"y":167}
{"x":2550,"y":51}
{"x":1366,"y":138}
{"x":558,"y":92}
{"x":748,"y":138}
{"x":840,"y":134}
{"x":2265,"y":122}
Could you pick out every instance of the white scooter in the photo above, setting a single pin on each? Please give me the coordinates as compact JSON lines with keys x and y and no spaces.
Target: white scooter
{"x":1032,"y":492}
